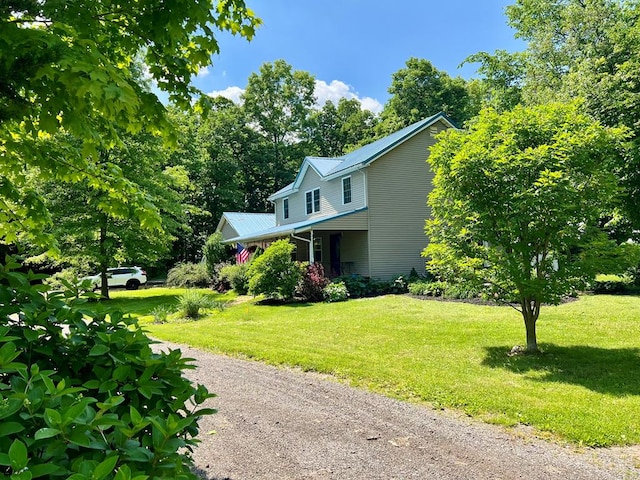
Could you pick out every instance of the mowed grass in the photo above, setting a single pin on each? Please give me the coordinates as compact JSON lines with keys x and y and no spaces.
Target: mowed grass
{"x":141,"y":303}
{"x":584,"y":388}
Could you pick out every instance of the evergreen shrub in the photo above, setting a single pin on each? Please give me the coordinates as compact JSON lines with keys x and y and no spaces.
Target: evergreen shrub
{"x":82,"y":393}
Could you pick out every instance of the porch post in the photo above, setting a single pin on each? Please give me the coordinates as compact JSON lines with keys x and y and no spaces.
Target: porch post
{"x":311,"y":260}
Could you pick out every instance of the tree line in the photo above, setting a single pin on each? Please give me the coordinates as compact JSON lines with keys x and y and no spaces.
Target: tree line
{"x":226,"y":157}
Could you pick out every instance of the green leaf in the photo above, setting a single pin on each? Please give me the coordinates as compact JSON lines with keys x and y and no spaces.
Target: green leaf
{"x":9,"y":407}
{"x":9,"y":428}
{"x":43,"y":469}
{"x":18,"y":455}
{"x":23,"y":475}
{"x":105,"y":468}
{"x":46,"y":433}
{"x":136,"y":418}
{"x":52,"y":417}
{"x":99,"y":350}
{"x":78,"y":437}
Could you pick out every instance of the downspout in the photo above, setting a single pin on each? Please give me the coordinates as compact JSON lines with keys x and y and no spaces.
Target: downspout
{"x":310,"y":242}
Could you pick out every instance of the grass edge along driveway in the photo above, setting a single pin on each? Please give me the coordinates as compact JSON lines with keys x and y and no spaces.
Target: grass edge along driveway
{"x":584,"y":388}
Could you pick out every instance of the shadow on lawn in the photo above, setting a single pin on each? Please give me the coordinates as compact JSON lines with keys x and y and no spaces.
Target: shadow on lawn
{"x":611,"y":371}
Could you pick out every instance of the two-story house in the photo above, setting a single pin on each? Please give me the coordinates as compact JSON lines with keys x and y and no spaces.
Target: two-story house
{"x":363,"y":212}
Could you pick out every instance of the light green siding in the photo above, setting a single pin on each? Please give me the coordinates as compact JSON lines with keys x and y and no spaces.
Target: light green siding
{"x":398,"y":184}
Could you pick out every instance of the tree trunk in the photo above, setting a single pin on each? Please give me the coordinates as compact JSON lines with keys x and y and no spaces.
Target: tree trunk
{"x":530,"y":312}
{"x":104,"y":286}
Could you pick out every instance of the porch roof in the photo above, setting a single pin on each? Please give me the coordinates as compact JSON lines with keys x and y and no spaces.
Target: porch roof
{"x":246,"y":223}
{"x":290,"y":228}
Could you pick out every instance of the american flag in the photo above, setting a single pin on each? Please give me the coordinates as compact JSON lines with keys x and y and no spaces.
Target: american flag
{"x":242,"y":254}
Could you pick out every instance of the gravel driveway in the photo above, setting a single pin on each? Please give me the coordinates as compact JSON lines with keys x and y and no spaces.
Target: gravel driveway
{"x":281,"y":423}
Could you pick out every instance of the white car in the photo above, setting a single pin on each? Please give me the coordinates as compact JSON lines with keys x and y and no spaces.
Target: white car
{"x":129,"y":277}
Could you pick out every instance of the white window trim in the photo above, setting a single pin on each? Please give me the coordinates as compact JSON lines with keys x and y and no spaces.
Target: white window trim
{"x":350,"y":189}
{"x":312,"y":201}
{"x":286,"y":212}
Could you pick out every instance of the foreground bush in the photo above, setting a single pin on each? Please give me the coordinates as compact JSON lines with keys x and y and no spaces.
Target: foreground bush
{"x":189,"y":275}
{"x":274,"y":273}
{"x":83,"y":396}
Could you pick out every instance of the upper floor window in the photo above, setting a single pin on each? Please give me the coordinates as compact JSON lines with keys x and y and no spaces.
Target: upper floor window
{"x":346,"y":190}
{"x":312,"y":201}
{"x":285,"y":208}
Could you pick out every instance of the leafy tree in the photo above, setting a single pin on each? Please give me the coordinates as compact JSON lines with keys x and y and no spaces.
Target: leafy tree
{"x":335,"y":130}
{"x":274,"y":273}
{"x":279,"y":100}
{"x":588,"y":49}
{"x":516,"y":202}
{"x":226,"y":160}
{"x":214,"y":252}
{"x":94,"y":232}
{"x":420,"y":90}
{"x":564,"y":34}
{"x":71,"y":66}
{"x":503,"y":77}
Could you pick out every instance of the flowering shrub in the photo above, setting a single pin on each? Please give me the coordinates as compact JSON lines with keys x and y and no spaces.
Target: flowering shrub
{"x":335,"y":292}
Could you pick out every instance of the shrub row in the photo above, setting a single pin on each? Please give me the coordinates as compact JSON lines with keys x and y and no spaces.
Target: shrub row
{"x":444,"y":289}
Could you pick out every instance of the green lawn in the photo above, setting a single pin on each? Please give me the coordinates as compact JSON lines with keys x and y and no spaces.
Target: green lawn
{"x":584,"y":388}
{"x":141,"y":303}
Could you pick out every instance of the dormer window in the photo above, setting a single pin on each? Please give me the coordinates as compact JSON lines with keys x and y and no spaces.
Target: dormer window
{"x":312,"y":201}
{"x":285,"y":208}
{"x":346,"y":190}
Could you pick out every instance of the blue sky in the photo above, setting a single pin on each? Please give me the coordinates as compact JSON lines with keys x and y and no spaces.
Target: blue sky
{"x":353,"y":47}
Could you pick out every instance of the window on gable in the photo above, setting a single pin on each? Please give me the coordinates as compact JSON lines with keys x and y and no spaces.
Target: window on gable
{"x":346,"y":190}
{"x":285,"y":208}
{"x":312,"y":201}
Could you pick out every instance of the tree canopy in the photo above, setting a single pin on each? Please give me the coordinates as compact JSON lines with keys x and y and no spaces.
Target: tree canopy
{"x":516,"y":203}
{"x":83,"y":68}
{"x":420,"y":90}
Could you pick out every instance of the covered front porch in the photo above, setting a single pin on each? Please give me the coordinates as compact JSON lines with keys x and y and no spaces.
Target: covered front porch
{"x":340,"y":243}
{"x":341,"y":252}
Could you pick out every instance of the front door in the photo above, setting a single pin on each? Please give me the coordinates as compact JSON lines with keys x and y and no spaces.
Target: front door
{"x":334,"y":254}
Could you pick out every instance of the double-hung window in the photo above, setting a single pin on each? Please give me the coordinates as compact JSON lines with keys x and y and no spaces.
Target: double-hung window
{"x":346,"y":190}
{"x":285,"y":208}
{"x":312,"y":201}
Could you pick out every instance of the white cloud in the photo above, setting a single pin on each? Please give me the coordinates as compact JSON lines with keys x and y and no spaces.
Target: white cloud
{"x":336,"y":90}
{"x":203,"y":72}
{"x":232,"y":93}
{"x":324,"y":92}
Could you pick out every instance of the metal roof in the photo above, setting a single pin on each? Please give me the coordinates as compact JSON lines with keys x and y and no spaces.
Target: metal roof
{"x":370,"y":152}
{"x":246,"y":223}
{"x":290,"y":228}
{"x":329,"y":168}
